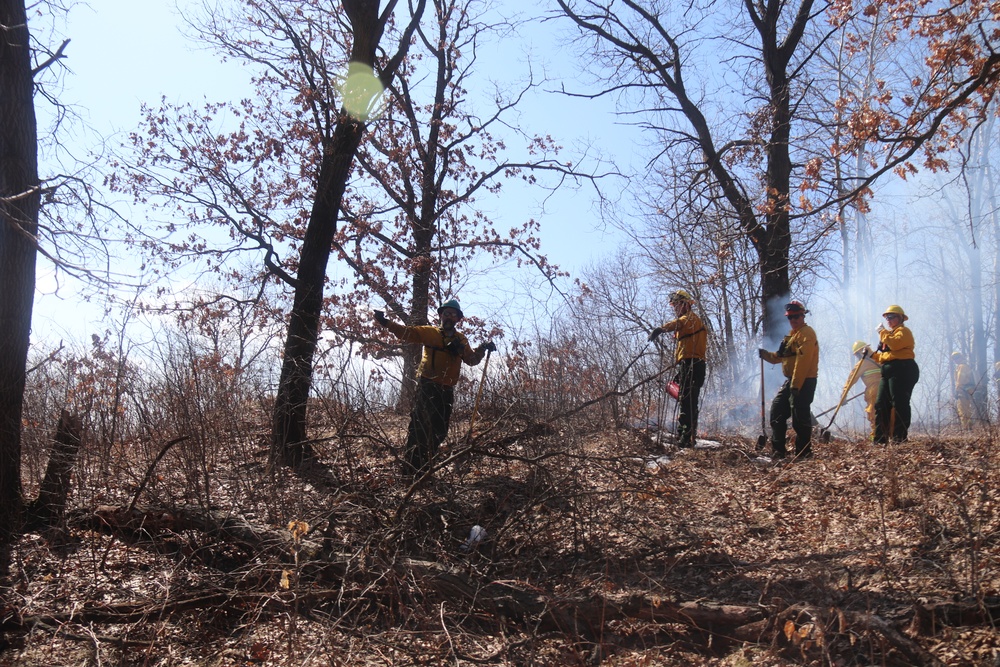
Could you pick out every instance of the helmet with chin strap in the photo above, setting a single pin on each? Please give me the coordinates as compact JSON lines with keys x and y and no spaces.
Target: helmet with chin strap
{"x":453,"y":304}
{"x":681,"y":296}
{"x":895,"y":310}
{"x":795,"y":308}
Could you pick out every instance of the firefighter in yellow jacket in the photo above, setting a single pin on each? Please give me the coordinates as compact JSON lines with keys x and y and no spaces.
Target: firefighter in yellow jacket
{"x":869,"y":372}
{"x":692,"y":341}
{"x":798,"y":355}
{"x":900,"y":374}
{"x":965,"y":387}
{"x":444,"y":351}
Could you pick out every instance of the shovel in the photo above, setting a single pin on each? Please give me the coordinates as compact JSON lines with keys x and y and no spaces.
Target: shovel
{"x":762,"y":438}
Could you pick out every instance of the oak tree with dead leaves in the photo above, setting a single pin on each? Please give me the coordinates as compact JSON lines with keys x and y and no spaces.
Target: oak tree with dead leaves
{"x":734,"y":91}
{"x":276,"y":183}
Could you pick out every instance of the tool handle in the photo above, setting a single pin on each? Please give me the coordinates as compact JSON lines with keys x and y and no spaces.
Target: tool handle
{"x":479,"y":395}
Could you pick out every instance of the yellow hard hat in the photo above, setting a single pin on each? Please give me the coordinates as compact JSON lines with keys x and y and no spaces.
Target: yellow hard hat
{"x":681,"y":295}
{"x":858,"y":346}
{"x":895,"y":310}
{"x":957,"y":355}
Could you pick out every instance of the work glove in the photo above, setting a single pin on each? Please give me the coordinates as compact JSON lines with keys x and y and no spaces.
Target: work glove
{"x":488,"y":346}
{"x":455,"y":347}
{"x":762,"y":353}
{"x":381,"y":318}
{"x":655,"y":333}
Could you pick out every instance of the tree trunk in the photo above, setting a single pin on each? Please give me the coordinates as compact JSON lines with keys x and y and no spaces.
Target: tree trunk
{"x":19,"y":202}
{"x":775,"y":281}
{"x":288,"y":433}
{"x":420,"y":302}
{"x":49,"y":506}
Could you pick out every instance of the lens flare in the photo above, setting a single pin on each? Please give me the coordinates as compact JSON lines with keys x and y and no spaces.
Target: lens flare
{"x":361,"y":91}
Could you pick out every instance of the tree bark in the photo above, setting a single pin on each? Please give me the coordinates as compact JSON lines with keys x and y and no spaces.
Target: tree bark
{"x":50,"y":504}
{"x":288,"y":433}
{"x":289,"y":426}
{"x":19,"y":202}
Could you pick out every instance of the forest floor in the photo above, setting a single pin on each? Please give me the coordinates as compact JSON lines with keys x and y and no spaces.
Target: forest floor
{"x":600,"y":548}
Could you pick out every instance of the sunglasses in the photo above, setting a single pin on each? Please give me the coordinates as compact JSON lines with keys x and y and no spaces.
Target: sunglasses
{"x":795,"y":317}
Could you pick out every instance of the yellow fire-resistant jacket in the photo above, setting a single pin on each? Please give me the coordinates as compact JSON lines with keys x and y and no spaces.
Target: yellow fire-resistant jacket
{"x":865,"y":370}
{"x":437,"y":363}
{"x":692,"y":338}
{"x":798,"y":356}
{"x":898,"y":344}
{"x":965,"y":382}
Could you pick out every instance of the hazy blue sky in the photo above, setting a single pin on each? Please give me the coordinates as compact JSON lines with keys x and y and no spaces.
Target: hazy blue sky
{"x":123,"y":53}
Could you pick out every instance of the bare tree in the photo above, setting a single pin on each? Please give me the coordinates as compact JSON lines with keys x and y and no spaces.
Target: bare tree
{"x":410,"y":239}
{"x":734,"y":91}
{"x":19,"y":203}
{"x":278,"y":186}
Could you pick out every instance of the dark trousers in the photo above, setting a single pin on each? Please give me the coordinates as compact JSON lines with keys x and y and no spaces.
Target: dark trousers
{"x":690,"y":378}
{"x":428,"y":424}
{"x":785,"y":405}
{"x":892,"y":405}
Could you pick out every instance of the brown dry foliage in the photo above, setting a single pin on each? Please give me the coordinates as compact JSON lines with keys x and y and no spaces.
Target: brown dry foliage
{"x":572,"y":513}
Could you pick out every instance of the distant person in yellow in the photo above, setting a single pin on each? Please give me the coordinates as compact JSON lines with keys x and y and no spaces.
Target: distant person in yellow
{"x":444,"y":351}
{"x":996,"y":376}
{"x":868,"y":371}
{"x":900,"y":374}
{"x":692,"y":340}
{"x":798,"y":355}
{"x":965,"y":388}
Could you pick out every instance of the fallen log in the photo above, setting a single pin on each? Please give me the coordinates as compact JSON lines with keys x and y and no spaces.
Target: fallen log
{"x":580,"y":616}
{"x":807,"y":628}
{"x":140,"y":521}
{"x":138,"y":612}
{"x":929,"y":616}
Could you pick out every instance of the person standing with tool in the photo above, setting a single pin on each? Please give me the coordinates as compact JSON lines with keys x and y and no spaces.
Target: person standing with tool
{"x":900,"y":374}
{"x":869,"y":372}
{"x":692,"y":342}
{"x":965,"y":388}
{"x":444,"y":351}
{"x":798,"y":355}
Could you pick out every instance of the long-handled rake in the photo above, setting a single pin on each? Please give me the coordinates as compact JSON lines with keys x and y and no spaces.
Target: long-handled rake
{"x":825,"y":436}
{"x":661,"y":411}
{"x":479,"y":396}
{"x":462,"y":466}
{"x":825,"y":433}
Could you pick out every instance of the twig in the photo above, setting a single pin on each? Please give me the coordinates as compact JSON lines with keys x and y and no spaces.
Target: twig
{"x":451,"y":644}
{"x":149,"y":470}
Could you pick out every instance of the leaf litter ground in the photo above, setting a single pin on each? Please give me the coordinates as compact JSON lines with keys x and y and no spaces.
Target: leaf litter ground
{"x":578,"y":520}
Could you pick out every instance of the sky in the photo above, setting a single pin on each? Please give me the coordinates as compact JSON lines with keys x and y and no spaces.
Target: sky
{"x":124,"y":53}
